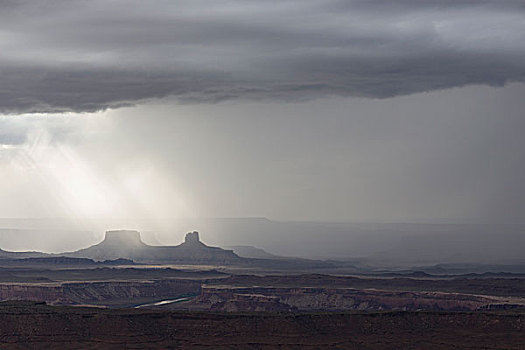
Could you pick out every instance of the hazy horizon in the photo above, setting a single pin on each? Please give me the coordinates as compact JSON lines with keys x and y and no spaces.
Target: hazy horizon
{"x":380,"y":244}
{"x":298,"y":111}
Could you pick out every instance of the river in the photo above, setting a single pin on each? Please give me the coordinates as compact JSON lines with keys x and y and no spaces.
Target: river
{"x":162,"y":302}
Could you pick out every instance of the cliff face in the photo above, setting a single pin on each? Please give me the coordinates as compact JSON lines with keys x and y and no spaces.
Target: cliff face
{"x":51,"y":293}
{"x":192,"y":241}
{"x":107,"y":293}
{"x":228,"y":298}
{"x":123,"y":239}
{"x":128,"y":245}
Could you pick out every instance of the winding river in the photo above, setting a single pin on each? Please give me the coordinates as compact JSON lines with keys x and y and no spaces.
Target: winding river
{"x":162,"y":302}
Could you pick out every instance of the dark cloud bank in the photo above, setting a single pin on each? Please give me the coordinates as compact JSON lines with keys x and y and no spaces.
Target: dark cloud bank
{"x":91,"y":55}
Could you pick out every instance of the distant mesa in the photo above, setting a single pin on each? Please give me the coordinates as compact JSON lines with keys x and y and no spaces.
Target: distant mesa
{"x":123,"y":238}
{"x":127,"y":244}
{"x":125,"y":247}
{"x":192,"y":240}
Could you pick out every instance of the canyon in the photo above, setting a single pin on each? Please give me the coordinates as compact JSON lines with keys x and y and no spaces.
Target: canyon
{"x":219,"y":291}
{"x":122,"y":293}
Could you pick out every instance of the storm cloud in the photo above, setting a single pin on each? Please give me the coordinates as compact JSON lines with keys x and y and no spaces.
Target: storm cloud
{"x":85,"y":56}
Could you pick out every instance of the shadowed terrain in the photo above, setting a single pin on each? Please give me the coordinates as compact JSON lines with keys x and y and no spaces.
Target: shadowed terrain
{"x":207,"y":297}
{"x":25,"y":324}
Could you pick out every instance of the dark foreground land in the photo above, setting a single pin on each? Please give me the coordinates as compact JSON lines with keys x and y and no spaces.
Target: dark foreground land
{"x":36,"y":325}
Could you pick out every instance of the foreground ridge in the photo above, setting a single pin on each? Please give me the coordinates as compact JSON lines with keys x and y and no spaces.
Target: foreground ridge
{"x":69,"y":327}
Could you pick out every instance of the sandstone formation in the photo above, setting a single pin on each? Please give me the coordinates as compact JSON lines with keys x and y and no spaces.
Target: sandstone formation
{"x":229,"y":298}
{"x":125,"y":247}
{"x":103,"y":293}
{"x":126,"y":244}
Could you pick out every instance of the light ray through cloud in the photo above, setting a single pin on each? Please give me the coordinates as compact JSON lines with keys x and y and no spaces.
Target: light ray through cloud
{"x":81,"y":183}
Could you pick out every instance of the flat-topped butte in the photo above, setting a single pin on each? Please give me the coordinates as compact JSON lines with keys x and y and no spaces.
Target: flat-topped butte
{"x":127,"y":244}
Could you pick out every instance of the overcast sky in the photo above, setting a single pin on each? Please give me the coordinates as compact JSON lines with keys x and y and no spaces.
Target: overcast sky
{"x":293,"y":110}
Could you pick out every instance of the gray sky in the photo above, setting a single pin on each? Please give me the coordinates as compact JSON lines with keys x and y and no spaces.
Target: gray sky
{"x":293,"y":110}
